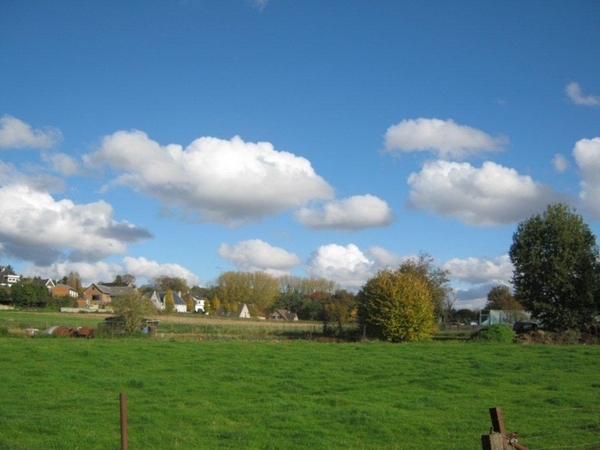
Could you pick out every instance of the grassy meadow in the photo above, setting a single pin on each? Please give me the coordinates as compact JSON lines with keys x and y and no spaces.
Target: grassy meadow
{"x":60,"y":393}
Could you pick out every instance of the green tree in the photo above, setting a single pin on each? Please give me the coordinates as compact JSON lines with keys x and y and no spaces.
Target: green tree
{"x":128,"y":279}
{"x":5,"y":298}
{"x":59,"y":302}
{"x":339,"y":310}
{"x":74,"y":280}
{"x":124,"y":280}
{"x":133,"y":309}
{"x":556,"y":268}
{"x":306,"y":285}
{"x":27,"y":295}
{"x":165,"y":283}
{"x":500,"y":297}
{"x":397,"y":306}
{"x":311,"y":308}
{"x":437,"y":280}
{"x":290,"y":301}
{"x":258,"y":288}
{"x":19,"y":295}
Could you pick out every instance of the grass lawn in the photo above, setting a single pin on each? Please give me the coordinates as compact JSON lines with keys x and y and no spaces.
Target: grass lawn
{"x":60,"y":393}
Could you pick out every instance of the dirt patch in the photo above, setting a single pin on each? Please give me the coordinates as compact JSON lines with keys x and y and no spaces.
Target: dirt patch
{"x":562,"y":338}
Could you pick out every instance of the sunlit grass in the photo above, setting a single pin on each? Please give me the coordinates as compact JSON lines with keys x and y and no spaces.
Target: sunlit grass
{"x":63,"y":393}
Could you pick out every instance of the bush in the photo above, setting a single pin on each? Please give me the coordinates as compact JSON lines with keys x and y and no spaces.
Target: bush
{"x":500,"y":334}
{"x":58,"y":302}
{"x":396,"y":306}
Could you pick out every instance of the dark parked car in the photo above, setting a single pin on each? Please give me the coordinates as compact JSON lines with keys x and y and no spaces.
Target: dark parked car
{"x":524,"y":327}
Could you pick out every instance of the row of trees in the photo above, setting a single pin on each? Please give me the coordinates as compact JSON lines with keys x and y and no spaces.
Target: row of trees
{"x":556,"y":278}
{"x":29,"y":295}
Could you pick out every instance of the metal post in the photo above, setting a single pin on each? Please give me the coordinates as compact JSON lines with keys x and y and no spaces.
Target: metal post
{"x":123,"y":399}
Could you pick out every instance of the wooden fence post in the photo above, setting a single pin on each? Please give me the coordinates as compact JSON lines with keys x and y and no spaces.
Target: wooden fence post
{"x":498,"y":439}
{"x":123,"y":401}
{"x":492,"y":441}
{"x":498,"y":425}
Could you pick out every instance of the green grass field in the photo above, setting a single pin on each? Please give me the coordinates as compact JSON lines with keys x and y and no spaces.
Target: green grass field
{"x":60,"y":393}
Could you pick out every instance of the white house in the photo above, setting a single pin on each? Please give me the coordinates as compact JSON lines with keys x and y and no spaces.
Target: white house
{"x":243,"y":312}
{"x":199,"y":303}
{"x":158,"y":298}
{"x":281,"y":314}
{"x":7,"y":279}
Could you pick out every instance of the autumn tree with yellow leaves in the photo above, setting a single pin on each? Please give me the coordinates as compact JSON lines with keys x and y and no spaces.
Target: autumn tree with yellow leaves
{"x":397,"y":306}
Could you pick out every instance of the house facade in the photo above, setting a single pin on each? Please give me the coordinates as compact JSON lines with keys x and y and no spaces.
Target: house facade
{"x":64,"y":290}
{"x":47,"y":282}
{"x":281,"y":314}
{"x":243,"y":312}
{"x":159,"y":301}
{"x":8,"y":279}
{"x":100,"y":294}
{"x":194,"y":304}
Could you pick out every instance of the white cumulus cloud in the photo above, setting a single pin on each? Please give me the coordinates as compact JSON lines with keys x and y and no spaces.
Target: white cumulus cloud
{"x":383,"y":258}
{"x":145,"y":268}
{"x":587,"y":156}
{"x":36,"y":227}
{"x":479,"y":271}
{"x":94,"y":272}
{"x":256,"y":255}
{"x":88,"y":272}
{"x":576,"y":95}
{"x":560,"y":163}
{"x":444,"y":137}
{"x":62,"y":163}
{"x":213,"y":180}
{"x":486,"y":196}
{"x":15,"y":133}
{"x":479,"y":275}
{"x":346,"y":265}
{"x":351,"y":214}
{"x":41,"y":182}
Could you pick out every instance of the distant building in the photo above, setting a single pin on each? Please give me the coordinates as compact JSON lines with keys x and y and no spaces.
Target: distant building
{"x":281,"y":314}
{"x":101,"y":294}
{"x":194,"y":304}
{"x":7,"y":278}
{"x":501,"y":317}
{"x":159,"y":300}
{"x":44,"y":282}
{"x":64,"y":290}
{"x":242,"y":311}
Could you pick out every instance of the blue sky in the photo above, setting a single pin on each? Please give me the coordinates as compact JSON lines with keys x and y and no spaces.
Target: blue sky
{"x":316,"y":138}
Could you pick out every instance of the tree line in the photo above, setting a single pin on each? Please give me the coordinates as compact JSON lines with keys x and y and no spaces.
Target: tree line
{"x":556,"y":278}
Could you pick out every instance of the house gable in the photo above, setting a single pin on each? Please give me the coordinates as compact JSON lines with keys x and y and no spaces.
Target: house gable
{"x":282,"y":314}
{"x":243,"y":312}
{"x":179,"y":304}
{"x":100,"y":293}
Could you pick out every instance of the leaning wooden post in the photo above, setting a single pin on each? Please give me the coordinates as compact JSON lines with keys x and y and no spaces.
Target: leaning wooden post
{"x":498,"y":439}
{"x":123,"y":399}
{"x":492,"y":441}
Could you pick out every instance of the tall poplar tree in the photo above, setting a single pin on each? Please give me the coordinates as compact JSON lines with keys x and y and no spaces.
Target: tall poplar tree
{"x":556,"y":268}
